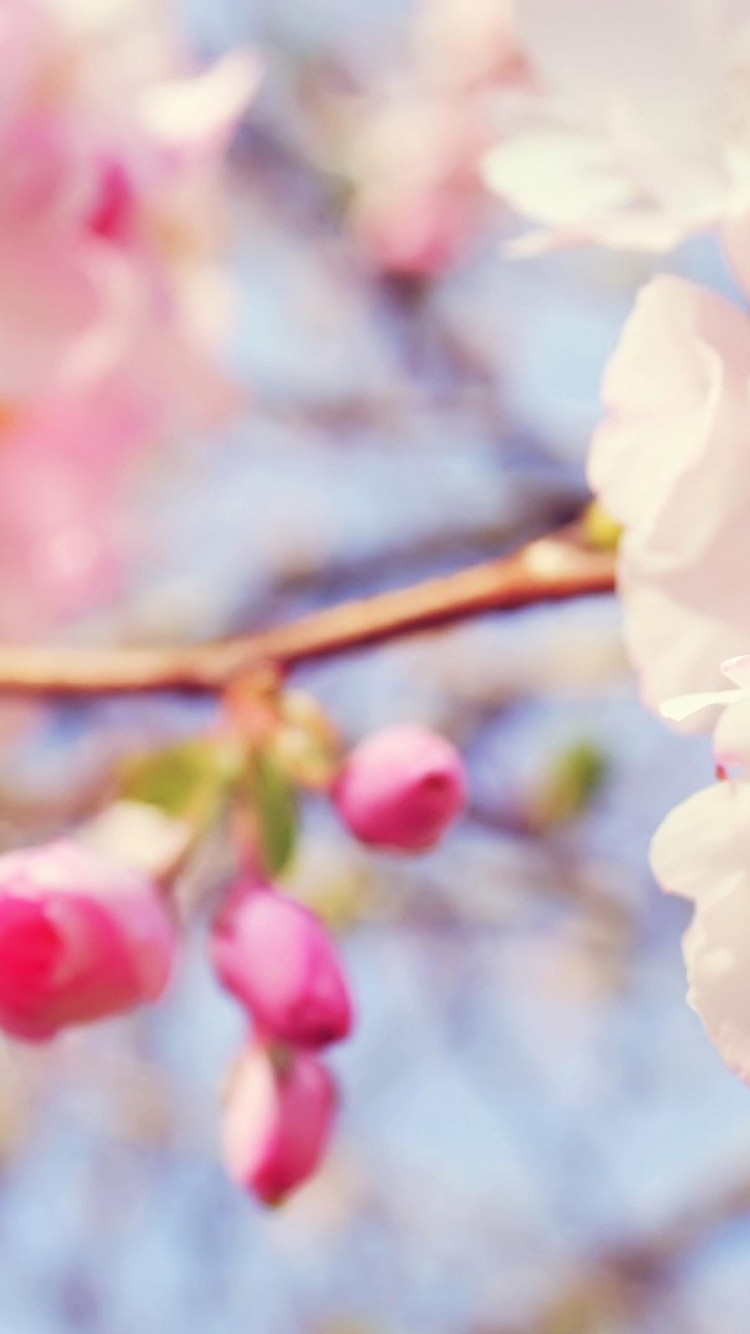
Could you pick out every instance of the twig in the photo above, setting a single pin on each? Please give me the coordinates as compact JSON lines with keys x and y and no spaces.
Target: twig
{"x":552,"y":568}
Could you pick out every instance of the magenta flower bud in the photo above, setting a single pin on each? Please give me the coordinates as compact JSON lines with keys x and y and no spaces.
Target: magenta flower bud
{"x":277,"y":1119}
{"x":400,"y":788}
{"x":275,"y":956}
{"x":80,"y":938}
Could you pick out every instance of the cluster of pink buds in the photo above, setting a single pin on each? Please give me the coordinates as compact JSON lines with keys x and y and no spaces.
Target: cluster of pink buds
{"x":83,"y":936}
{"x":398,"y":790}
{"x":278,"y":960}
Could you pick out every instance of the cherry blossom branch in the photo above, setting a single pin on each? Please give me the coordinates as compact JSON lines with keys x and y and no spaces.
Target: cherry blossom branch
{"x":552,"y":568}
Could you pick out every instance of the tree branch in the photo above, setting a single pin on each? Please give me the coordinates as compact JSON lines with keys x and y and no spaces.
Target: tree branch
{"x":551,"y":568}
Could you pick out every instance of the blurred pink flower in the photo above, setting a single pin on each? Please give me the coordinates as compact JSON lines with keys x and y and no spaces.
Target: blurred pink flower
{"x":635,"y":131}
{"x":413,"y":150}
{"x":277,"y":1119}
{"x":109,"y":209}
{"x":671,"y":462}
{"x":62,"y":470}
{"x":401,"y":788}
{"x":278,"y":959}
{"x":113,"y":302}
{"x":418,"y":203}
{"x":80,"y":938}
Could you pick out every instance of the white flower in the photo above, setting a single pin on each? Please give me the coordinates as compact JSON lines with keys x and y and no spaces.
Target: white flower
{"x":637,"y":132}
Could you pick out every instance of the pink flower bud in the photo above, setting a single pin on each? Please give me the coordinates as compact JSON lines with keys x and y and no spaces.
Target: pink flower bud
{"x":278,"y":959}
{"x":277,"y":1120}
{"x":400,"y":788}
{"x":80,"y":938}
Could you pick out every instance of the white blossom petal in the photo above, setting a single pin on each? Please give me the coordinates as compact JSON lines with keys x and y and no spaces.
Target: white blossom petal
{"x":704,"y":843}
{"x":684,"y":706}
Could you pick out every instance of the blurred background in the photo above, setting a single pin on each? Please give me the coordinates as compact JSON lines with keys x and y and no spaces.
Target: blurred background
{"x":536,"y":1137}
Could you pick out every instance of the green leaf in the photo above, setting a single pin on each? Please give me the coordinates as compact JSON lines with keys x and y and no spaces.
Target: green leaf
{"x":575,"y":775}
{"x":275,"y":808}
{"x":186,"y":780}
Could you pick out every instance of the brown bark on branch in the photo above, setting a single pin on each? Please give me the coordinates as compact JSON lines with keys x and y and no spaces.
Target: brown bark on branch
{"x":551,"y":568}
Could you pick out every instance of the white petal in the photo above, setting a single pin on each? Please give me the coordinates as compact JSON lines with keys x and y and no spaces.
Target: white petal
{"x":704,"y":843}
{"x":196,"y":109}
{"x":683,"y":706}
{"x":717,"y":954}
{"x":555,"y":176}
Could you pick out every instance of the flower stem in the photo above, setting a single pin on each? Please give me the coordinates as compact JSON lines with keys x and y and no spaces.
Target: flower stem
{"x":552,"y":568}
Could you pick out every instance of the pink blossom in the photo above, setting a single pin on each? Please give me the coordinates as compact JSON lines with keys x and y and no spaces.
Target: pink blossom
{"x":278,"y":959}
{"x":277,"y":1120}
{"x":80,"y":938}
{"x":670,"y":462}
{"x":62,"y":470}
{"x":110,"y":201}
{"x":401,"y":788}
{"x":113,"y":299}
{"x":634,"y":131}
{"x":412,"y":149}
{"x":418,"y":203}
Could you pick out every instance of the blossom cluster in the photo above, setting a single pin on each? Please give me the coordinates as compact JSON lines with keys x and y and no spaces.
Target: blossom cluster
{"x":84,"y":936}
{"x":398,"y":791}
{"x":637,"y":137}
